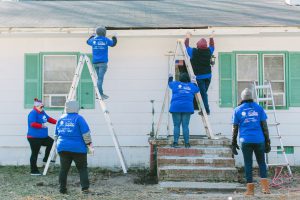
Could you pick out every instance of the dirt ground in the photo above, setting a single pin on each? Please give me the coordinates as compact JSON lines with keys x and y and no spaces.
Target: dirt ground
{"x":17,"y":184}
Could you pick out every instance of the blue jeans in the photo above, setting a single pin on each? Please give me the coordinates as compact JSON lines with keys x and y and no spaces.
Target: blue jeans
{"x":203,"y":85}
{"x":184,"y":120}
{"x":100,"y":70}
{"x":259,"y":151}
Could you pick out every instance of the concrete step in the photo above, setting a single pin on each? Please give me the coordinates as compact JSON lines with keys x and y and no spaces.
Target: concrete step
{"x":195,"y":151}
{"x":196,"y":142}
{"x":202,"y":186}
{"x":195,"y":161}
{"x":196,"y":173}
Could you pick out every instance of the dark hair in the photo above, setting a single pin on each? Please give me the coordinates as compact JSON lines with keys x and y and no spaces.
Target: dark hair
{"x":246,"y":101}
{"x":184,"y":77}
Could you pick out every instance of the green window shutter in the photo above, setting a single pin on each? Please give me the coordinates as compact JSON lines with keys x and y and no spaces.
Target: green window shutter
{"x":226,"y":80}
{"x":294,"y":79}
{"x":87,"y":93}
{"x":32,"y":78}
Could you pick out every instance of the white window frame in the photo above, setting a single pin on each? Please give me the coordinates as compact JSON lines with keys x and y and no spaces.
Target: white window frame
{"x":43,"y":82}
{"x":283,"y":94}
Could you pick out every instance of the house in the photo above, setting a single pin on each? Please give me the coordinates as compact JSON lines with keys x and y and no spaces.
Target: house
{"x":41,"y":42}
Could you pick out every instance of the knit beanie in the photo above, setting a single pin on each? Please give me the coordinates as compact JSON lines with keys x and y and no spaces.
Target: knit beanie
{"x":246,"y":94}
{"x":72,"y":106}
{"x":37,"y":102}
{"x":202,"y":44}
{"x":184,"y":77}
{"x":101,"y":31}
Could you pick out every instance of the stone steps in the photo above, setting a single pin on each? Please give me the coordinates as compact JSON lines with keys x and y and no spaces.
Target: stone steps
{"x":204,"y":142}
{"x":195,"y":161}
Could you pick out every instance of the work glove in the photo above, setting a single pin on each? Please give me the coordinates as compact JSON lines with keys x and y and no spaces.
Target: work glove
{"x":267,"y":146}
{"x":188,"y":34}
{"x":91,"y":149}
{"x":234,"y":148}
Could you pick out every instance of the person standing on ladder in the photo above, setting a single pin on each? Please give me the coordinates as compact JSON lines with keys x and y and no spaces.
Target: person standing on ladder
{"x":182,"y":106}
{"x":201,"y":62}
{"x":73,"y":139}
{"x":37,"y":134}
{"x":249,"y":119}
{"x":100,"y":44}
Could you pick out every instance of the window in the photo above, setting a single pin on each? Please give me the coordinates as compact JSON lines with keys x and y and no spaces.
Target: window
{"x":287,"y":149}
{"x":238,"y":69}
{"x":49,"y":76}
{"x":58,"y":72}
{"x":262,"y":67}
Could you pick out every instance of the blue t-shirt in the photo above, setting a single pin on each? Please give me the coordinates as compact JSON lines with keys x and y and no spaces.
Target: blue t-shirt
{"x":69,"y":130}
{"x":182,"y":96}
{"x":38,"y":117}
{"x":248,"y":117}
{"x":100,"y":46}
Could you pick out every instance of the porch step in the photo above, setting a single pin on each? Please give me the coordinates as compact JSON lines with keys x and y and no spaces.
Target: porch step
{"x":195,"y":161}
{"x":204,"y":142}
{"x":202,"y":186}
{"x":196,"y":173}
{"x":195,"y":151}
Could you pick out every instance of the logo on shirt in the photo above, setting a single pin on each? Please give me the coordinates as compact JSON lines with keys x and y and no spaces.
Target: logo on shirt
{"x":61,"y":123}
{"x":44,"y":118}
{"x":243,"y":114}
{"x":180,"y":86}
{"x":252,"y":113}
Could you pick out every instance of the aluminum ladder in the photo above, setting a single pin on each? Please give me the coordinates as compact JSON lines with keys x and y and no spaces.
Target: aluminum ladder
{"x":72,"y":94}
{"x":264,"y":94}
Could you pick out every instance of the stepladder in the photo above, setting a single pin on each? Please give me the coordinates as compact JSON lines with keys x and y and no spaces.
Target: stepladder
{"x":72,"y":95}
{"x":265,"y":97}
{"x":180,"y":53}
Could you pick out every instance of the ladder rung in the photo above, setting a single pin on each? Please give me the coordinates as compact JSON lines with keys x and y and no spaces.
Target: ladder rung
{"x":279,"y":164}
{"x":264,"y":99}
{"x":277,"y":136}
{"x":277,"y":150}
{"x":273,"y":124}
{"x":262,"y":87}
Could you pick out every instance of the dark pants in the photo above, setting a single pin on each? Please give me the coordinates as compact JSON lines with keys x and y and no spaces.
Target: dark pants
{"x":203,"y":85}
{"x":80,"y":160}
{"x":35,"y":145}
{"x":259,"y":151}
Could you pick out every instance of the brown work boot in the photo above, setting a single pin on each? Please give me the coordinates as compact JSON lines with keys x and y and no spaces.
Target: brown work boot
{"x":250,"y":189}
{"x":265,"y":186}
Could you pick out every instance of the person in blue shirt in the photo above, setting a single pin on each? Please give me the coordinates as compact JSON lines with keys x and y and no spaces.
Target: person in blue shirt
{"x":182,"y":106}
{"x":201,"y":62}
{"x":73,"y":139}
{"x":249,"y":120}
{"x":37,"y":134}
{"x":100,"y":44}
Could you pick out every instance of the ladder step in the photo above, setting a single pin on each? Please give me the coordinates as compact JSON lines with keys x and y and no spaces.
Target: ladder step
{"x":278,"y":164}
{"x":264,"y":99}
{"x":262,"y":87}
{"x":274,"y":124}
{"x":277,"y":150}
{"x":277,"y":136}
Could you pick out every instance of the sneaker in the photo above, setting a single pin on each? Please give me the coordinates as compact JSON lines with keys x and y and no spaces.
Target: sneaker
{"x":103,"y":96}
{"x":175,"y":145}
{"x":63,"y":191}
{"x":187,"y":145}
{"x":35,"y":173}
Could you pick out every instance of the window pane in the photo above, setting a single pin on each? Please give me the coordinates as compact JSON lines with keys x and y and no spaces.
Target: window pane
{"x":247,"y":67}
{"x":58,"y":101}
{"x":277,"y":87}
{"x":59,"y":68}
{"x":57,"y":88}
{"x":279,"y":99}
{"x":273,"y":67}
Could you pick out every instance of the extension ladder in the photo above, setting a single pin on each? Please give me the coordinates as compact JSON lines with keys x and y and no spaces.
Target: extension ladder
{"x":72,"y":93}
{"x":181,"y":54}
{"x":264,"y":94}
